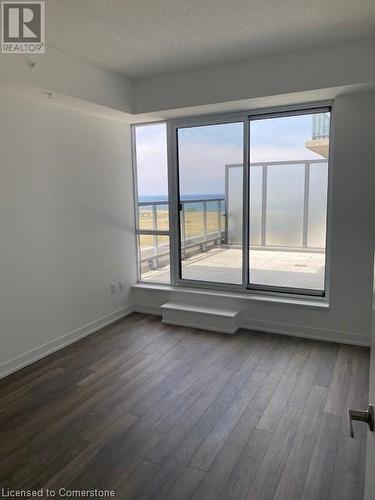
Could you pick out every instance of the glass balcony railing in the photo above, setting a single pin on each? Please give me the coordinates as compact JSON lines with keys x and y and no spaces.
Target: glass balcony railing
{"x":204,"y":227}
{"x":287,"y":227}
{"x":288,"y":203}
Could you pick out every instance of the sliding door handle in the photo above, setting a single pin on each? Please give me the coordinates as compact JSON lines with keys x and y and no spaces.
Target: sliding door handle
{"x":366,"y":416}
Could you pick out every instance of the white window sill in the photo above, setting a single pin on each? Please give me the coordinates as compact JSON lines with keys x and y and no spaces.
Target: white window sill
{"x":274,"y":298}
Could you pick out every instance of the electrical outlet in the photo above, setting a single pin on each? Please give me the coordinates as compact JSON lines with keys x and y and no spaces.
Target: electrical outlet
{"x":121,"y":285}
{"x":113,"y":288}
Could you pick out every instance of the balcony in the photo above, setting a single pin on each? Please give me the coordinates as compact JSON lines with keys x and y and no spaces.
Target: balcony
{"x":211,"y":238}
{"x":319,"y":142}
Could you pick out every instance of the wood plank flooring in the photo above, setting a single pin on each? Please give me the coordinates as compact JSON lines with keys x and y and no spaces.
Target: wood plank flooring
{"x":160,"y":412}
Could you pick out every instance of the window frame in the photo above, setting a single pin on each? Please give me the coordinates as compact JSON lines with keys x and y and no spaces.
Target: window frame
{"x":175,"y":224}
{"x":246,"y":117}
{"x":149,"y":232}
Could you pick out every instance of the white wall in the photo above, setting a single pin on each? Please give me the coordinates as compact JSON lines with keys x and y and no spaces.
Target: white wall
{"x":66,"y":226}
{"x":67,"y":75}
{"x":352,"y":243}
{"x":340,"y":65}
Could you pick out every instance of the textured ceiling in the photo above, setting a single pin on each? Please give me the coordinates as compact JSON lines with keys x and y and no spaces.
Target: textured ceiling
{"x":146,"y":37}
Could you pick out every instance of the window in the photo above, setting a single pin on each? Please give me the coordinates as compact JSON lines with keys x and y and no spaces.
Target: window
{"x":210,"y":202}
{"x":262,"y":227}
{"x":152,"y":210}
{"x":288,"y":201}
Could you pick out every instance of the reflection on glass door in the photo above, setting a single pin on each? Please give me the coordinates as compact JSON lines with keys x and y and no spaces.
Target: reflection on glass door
{"x":288,"y":201}
{"x":210,"y":200}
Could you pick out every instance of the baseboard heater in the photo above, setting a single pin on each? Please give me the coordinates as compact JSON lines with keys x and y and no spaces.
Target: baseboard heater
{"x":202,"y":317}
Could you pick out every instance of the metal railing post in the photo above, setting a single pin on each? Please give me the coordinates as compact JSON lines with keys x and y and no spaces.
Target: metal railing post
{"x":155,"y":237}
{"x":264,"y":205}
{"x":205,"y":232}
{"x":306,"y":205}
{"x":218,"y":215}
{"x":183,"y":237}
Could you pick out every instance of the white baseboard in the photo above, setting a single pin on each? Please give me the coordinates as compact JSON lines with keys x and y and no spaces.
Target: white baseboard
{"x":265,"y":326}
{"x":30,"y":357}
{"x":313,"y":333}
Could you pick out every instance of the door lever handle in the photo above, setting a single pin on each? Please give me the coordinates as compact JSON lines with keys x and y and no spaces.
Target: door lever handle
{"x":366,"y":416}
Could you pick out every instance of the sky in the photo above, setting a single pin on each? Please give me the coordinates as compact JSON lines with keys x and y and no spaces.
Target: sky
{"x":204,"y":152}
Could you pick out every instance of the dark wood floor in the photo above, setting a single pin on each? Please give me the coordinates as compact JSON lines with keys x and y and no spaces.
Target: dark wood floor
{"x":160,"y":412}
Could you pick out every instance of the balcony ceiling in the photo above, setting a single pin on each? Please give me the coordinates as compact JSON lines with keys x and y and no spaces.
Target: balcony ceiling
{"x":146,"y":37}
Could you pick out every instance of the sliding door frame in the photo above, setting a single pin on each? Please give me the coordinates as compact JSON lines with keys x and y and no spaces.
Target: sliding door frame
{"x":280,"y":114}
{"x":174,"y":200}
{"x":174,"y":196}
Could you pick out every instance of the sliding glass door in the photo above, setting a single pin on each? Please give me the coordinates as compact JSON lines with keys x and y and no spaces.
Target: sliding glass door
{"x":216,"y":224}
{"x":210,"y":185}
{"x":288,"y":201}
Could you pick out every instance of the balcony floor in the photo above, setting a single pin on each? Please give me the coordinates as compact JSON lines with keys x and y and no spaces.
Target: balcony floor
{"x":268,"y":267}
